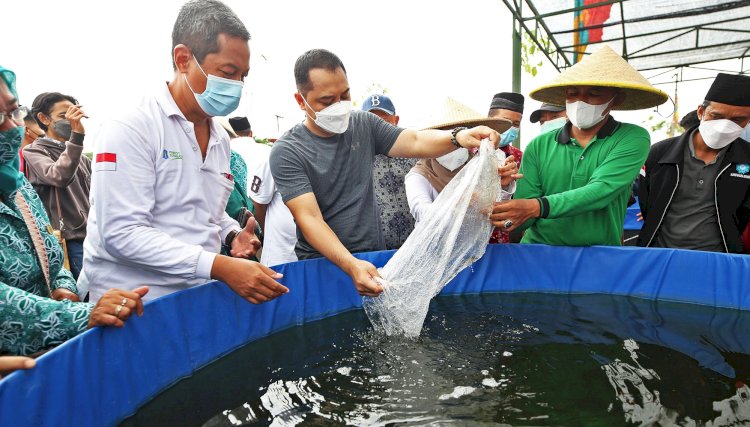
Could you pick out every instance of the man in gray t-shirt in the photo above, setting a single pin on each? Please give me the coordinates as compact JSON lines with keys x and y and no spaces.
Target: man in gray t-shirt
{"x":337,"y":170}
{"x":323,"y":166}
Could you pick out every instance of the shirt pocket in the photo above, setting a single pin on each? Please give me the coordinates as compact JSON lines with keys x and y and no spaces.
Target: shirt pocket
{"x":169,"y":175}
{"x":222,"y":187}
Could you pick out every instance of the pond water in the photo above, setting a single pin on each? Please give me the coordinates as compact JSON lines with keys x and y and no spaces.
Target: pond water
{"x":494,"y":359}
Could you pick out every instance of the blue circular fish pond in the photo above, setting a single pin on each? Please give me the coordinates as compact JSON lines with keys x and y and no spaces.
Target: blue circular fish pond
{"x":105,"y":376}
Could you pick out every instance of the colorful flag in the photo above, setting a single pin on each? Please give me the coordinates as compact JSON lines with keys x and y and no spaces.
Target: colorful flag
{"x":582,"y":20}
{"x":106,"y":162}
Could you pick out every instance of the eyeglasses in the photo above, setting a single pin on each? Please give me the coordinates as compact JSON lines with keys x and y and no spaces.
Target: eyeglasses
{"x":16,"y":115}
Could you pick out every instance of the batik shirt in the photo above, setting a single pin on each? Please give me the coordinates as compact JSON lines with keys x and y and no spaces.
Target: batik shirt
{"x":395,"y":219}
{"x":29,"y":320}
{"x":499,"y":235}
{"x":238,"y":199}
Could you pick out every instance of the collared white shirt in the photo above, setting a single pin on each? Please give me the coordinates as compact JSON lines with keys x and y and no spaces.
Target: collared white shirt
{"x":157,"y":207}
{"x":280,"y":231}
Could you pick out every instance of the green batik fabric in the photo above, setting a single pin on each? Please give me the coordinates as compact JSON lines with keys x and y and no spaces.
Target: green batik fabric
{"x":10,"y":142}
{"x":29,"y":323}
{"x":239,"y":170}
{"x":238,"y":199}
{"x":10,"y":176}
{"x":29,"y":320}
{"x":18,"y":258}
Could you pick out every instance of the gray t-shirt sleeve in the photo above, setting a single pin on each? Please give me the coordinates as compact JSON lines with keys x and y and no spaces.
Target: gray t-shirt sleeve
{"x":384,"y":134}
{"x":288,"y":172}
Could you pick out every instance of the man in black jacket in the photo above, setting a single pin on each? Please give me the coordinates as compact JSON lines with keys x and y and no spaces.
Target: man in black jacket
{"x":696,"y":191}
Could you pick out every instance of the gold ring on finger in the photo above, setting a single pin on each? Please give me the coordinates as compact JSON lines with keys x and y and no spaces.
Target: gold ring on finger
{"x":117,"y":311}
{"x":124,"y":301}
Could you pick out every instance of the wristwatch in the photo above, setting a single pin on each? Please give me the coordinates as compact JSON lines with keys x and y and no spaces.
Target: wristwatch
{"x":455,"y":132}
{"x":230,"y":238}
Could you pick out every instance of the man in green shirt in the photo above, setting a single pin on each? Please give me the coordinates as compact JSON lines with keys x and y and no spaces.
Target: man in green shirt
{"x":577,"y":180}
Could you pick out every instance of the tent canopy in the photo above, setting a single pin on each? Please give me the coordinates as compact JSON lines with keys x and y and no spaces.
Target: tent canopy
{"x":650,"y":34}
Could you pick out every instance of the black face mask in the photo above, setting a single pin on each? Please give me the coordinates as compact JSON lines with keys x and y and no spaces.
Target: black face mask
{"x":63,"y":129}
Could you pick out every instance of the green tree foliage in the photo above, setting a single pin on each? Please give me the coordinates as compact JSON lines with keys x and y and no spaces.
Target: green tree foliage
{"x":659,"y":124}
{"x":530,"y":53}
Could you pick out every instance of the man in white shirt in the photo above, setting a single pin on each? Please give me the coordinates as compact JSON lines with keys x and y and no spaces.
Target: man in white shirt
{"x":161,"y":174}
{"x":279,"y":230}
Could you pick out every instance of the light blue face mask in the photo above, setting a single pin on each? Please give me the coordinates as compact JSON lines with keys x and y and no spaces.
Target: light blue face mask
{"x":509,"y":136}
{"x":221,"y":97}
{"x":746,"y":133}
{"x":554,"y":124}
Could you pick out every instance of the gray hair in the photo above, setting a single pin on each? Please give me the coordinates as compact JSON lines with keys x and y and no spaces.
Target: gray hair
{"x":199,"y":24}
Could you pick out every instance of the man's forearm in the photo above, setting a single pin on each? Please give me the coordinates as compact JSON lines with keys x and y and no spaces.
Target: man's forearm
{"x":428,"y":143}
{"x":433,"y":143}
{"x":324,"y":240}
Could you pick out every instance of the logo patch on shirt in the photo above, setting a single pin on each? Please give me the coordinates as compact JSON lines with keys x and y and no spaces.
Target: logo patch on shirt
{"x":105,"y":162}
{"x":174,"y":155}
{"x":743,"y":168}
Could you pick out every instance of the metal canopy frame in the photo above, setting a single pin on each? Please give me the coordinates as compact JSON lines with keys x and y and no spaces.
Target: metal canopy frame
{"x":653,"y":35}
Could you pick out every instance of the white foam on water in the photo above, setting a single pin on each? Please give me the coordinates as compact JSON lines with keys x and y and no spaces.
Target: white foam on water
{"x":459,"y":391}
{"x":490,"y":382}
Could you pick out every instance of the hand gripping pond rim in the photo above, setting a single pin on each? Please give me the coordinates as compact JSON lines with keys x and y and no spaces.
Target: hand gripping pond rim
{"x":429,"y":259}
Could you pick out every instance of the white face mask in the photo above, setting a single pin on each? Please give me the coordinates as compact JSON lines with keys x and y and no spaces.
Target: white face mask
{"x":454,"y":160}
{"x":717,"y":134}
{"x":585,"y":116}
{"x":334,"y":118}
{"x":746,"y":133}
{"x":554,"y":124}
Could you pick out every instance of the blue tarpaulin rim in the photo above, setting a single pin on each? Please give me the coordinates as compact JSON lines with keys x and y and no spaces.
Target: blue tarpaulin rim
{"x":105,"y":375}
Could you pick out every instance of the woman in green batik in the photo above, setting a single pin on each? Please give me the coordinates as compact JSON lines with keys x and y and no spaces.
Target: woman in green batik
{"x":38,"y":297}
{"x":239,"y":206}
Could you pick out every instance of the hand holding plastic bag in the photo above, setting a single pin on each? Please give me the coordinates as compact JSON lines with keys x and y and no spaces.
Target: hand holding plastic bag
{"x":451,"y":237}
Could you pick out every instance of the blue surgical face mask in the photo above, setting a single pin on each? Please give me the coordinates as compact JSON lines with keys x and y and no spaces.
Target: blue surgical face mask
{"x":509,"y":136}
{"x":554,"y":124}
{"x":746,"y":133}
{"x":221,"y":97}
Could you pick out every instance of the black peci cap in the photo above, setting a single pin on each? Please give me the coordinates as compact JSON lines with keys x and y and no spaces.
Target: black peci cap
{"x":731,"y":89}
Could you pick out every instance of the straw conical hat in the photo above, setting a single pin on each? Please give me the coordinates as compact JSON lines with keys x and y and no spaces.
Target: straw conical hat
{"x":603,"y":68}
{"x":451,"y":113}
